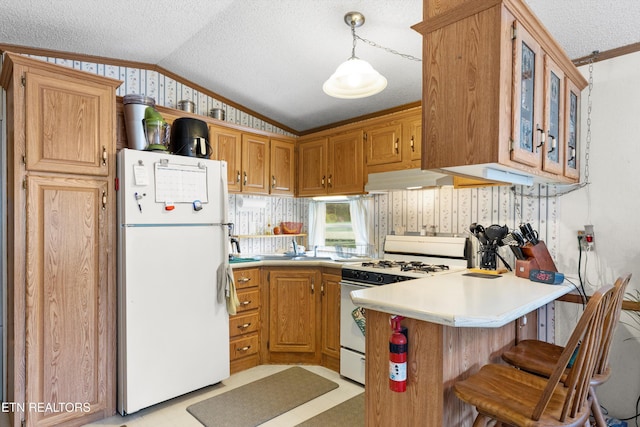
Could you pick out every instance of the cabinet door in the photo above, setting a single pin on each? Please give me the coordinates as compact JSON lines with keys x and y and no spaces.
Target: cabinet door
{"x":572,"y":104}
{"x":229,"y":149}
{"x":412,"y":129}
{"x":312,"y":168}
{"x":292,"y":310}
{"x":70,"y":315}
{"x":527,"y":130}
{"x":282,"y":167}
{"x":70,"y":124}
{"x":346,"y":166}
{"x":553,"y":156}
{"x":383,"y":144}
{"x":255,"y":163}
{"x":330,"y":294}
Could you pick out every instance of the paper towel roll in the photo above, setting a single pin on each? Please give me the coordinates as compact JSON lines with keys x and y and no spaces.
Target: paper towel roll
{"x":249,"y":204}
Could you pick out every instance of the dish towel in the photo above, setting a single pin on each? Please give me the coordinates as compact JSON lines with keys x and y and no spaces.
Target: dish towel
{"x":227,"y":288}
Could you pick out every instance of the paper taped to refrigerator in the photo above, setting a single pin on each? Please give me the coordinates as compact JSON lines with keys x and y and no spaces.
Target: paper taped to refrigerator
{"x":180,"y":183}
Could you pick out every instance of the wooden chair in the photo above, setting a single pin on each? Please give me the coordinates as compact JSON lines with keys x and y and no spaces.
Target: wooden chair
{"x":540,"y":357}
{"x":515,"y":397}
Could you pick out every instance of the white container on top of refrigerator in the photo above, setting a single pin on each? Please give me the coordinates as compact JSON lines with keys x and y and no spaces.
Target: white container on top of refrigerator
{"x":173,"y":332}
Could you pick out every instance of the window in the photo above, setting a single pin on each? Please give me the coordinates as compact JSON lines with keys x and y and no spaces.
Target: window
{"x":338,"y":230}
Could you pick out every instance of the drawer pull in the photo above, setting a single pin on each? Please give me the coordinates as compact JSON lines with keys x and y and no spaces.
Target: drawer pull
{"x":245,"y":326}
{"x":243,"y":349}
{"x":244,"y":279}
{"x":245,"y":302}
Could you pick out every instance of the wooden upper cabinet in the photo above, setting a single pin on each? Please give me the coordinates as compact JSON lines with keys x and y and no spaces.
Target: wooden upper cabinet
{"x":384,"y":144}
{"x":228,"y":146}
{"x":70,"y":124}
{"x":312,"y":167}
{"x":412,"y":131}
{"x":494,"y":92}
{"x":346,"y":164}
{"x":255,"y":163}
{"x":282,"y":167}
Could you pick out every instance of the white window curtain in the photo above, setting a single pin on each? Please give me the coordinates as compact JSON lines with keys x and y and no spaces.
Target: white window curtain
{"x":317,"y":215}
{"x":361,"y":210}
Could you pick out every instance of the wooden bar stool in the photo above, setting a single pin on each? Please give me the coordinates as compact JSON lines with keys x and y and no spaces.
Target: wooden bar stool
{"x":519,"y":398}
{"x":540,"y":357}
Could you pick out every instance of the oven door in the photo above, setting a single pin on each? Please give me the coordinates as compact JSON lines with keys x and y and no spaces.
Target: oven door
{"x":352,"y":342}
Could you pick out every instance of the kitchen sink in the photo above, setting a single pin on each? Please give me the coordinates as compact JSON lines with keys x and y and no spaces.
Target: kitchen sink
{"x":291,"y":257}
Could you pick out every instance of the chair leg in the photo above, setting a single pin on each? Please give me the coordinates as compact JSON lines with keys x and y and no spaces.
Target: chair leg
{"x":595,"y":409}
{"x":480,"y":421}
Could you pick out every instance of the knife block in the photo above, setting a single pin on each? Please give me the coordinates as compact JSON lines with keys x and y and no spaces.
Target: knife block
{"x":538,"y":258}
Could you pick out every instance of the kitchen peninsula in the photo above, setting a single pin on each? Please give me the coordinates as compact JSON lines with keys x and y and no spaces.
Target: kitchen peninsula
{"x":455,"y":324}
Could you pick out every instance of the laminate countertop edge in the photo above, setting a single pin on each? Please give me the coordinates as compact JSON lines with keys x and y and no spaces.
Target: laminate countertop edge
{"x":460,"y":300}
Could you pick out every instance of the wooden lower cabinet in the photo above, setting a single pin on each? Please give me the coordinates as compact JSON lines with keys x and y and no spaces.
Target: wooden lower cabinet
{"x":330,"y":312}
{"x":302,"y":306}
{"x":244,"y":326}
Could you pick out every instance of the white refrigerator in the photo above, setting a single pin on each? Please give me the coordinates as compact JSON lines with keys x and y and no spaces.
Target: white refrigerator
{"x":173,"y":330}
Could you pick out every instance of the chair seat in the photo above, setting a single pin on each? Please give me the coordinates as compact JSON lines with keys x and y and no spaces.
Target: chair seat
{"x":540,"y":357}
{"x":510,"y":395}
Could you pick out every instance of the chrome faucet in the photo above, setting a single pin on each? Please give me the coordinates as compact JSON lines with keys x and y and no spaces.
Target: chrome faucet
{"x":295,"y":246}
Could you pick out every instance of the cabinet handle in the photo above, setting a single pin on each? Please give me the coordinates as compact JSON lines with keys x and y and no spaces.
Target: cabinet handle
{"x":244,"y":279}
{"x":245,"y":326}
{"x":245,"y":302}
{"x":273,"y":181}
{"x":238,"y":177}
{"x":323,"y":180}
{"x":553,"y":143}
{"x":395,"y":145}
{"x":542,"y":137}
{"x":322,"y":289}
{"x":313,"y":287}
{"x":104,"y":200}
{"x":329,"y":181}
{"x":245,"y":348}
{"x":245,"y":178}
{"x":413,"y":144}
{"x":104,"y":155}
{"x":573,"y":154}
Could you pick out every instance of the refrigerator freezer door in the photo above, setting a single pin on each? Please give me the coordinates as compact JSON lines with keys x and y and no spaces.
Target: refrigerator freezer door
{"x":160,"y":188}
{"x":173,"y":333}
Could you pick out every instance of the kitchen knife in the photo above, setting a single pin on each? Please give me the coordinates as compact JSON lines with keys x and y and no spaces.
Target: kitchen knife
{"x":529,"y":233}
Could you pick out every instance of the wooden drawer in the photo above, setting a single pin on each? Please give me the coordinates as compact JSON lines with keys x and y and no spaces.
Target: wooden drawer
{"x":249,"y":300}
{"x":246,"y":278}
{"x":243,"y":324}
{"x":244,"y":346}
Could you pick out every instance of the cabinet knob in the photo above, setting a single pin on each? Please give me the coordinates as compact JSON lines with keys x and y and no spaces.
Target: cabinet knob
{"x":396,"y":145}
{"x":553,"y":143}
{"x":323,"y":177}
{"x":243,"y":349}
{"x":273,"y":181}
{"x":329,"y":181}
{"x":245,"y":302}
{"x":244,"y":279}
{"x":541,"y":139}
{"x":238,"y":177}
{"x":413,"y":144}
{"x":245,"y":178}
{"x":244,"y":326}
{"x":104,"y":155}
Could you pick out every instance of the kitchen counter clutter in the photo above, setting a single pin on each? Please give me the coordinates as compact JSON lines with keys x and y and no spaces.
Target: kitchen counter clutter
{"x":461,"y":300}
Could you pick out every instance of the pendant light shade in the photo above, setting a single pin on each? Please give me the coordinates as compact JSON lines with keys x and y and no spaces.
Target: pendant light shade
{"x":354,"y":78}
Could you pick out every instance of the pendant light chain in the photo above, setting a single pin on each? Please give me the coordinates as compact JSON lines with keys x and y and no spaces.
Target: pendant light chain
{"x":369,"y":42}
{"x":353,"y":33}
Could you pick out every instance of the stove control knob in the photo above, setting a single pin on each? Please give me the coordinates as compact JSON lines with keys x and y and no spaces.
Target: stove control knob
{"x":379,"y":278}
{"x":364,"y":276}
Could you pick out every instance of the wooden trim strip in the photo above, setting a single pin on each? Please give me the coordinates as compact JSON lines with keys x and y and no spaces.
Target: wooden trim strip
{"x":607,"y":54}
{"x":577,"y":299}
{"x":132,"y":64}
{"x":454,"y":15}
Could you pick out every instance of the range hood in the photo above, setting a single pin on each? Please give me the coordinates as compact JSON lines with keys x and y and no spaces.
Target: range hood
{"x":406,"y":179}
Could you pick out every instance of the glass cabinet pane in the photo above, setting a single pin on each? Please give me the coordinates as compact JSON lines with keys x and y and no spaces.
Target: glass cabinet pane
{"x":527,"y":90}
{"x":572,"y":131}
{"x":554,"y":119}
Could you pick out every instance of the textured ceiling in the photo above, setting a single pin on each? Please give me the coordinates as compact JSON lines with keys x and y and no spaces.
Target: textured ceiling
{"x":273,"y":56}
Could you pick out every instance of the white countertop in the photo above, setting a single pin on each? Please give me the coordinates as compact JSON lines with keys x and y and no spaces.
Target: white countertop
{"x":461,"y":301}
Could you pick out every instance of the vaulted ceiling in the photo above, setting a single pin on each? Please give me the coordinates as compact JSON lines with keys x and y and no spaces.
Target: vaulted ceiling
{"x":273,"y":56}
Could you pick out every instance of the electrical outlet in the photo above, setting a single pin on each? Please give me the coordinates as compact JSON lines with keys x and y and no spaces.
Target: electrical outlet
{"x":589,"y":238}
{"x":581,"y":240}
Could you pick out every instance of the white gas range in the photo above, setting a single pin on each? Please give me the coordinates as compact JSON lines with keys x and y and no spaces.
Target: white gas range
{"x":405,"y":258}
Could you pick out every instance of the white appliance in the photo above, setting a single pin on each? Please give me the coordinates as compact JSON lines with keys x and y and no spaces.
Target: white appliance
{"x":405,"y":258}
{"x":173,"y":332}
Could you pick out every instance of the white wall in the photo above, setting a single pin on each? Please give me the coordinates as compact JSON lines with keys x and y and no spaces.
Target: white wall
{"x":611,"y":202}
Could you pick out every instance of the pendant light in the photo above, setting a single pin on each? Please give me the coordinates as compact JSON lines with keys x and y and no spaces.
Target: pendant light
{"x":354,"y":78}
